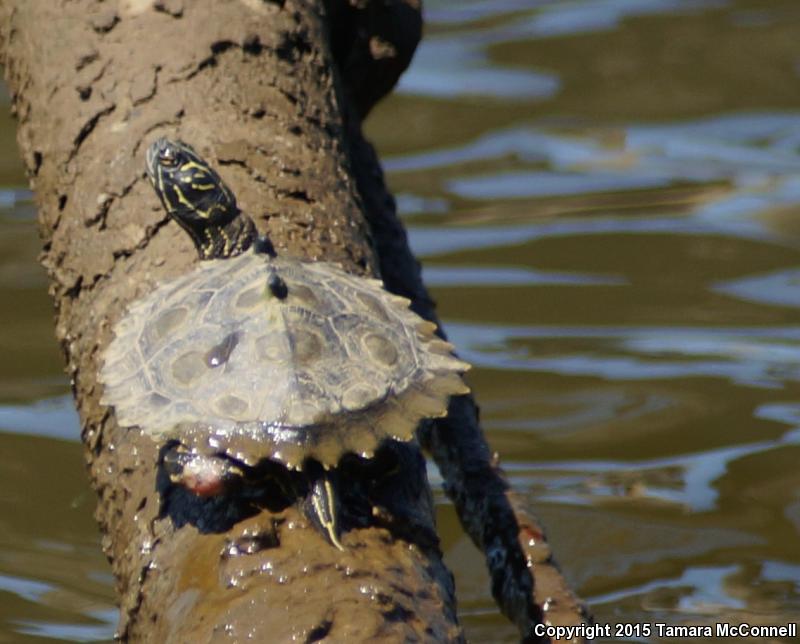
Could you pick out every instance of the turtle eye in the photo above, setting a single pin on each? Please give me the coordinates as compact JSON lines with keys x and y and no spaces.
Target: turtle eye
{"x":167,"y":157}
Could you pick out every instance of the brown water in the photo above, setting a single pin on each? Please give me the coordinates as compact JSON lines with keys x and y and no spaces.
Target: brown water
{"x":606,"y":198}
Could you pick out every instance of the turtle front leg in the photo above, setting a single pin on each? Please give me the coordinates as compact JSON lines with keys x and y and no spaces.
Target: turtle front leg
{"x":203,"y":475}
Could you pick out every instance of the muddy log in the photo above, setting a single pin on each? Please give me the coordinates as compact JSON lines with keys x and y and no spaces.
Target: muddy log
{"x":272,"y":93}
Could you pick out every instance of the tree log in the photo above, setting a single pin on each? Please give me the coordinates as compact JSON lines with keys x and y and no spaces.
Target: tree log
{"x":273,"y":95}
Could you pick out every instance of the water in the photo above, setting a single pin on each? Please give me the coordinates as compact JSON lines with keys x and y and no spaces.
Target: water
{"x":605,"y":196}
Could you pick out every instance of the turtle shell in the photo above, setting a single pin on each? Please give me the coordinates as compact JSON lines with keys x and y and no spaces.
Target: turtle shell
{"x":222,"y":362}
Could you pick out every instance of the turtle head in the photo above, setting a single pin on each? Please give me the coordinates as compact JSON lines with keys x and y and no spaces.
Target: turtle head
{"x":195,"y":196}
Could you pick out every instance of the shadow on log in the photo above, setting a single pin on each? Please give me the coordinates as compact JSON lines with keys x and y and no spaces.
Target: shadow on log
{"x":272,"y":93}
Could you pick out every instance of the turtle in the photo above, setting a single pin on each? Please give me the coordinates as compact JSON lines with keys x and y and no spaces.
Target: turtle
{"x":255,"y":357}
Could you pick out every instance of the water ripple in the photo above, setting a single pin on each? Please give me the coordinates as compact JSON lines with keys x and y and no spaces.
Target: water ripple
{"x":27,"y":589}
{"x":432,"y":240}
{"x":36,"y":592}
{"x":687,"y":480}
{"x":12,"y":198}
{"x":102,"y":632}
{"x":467,"y":276}
{"x":756,"y":356}
{"x":450,"y":67}
{"x":705,"y":590}
{"x":781,"y":288}
{"x":556,"y":17}
{"x":458,"y":64}
{"x":53,"y":417}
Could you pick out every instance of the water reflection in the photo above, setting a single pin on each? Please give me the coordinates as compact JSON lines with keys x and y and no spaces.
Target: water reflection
{"x":759,"y":357}
{"x":55,"y":581}
{"x":40,"y":594}
{"x":626,"y":288}
{"x":686,"y":480}
{"x":752,"y":157}
{"x":431,"y":241}
{"x":12,"y":200}
{"x":51,"y":417}
{"x":555,"y":17}
{"x":458,"y":67}
{"x":703,"y":589}
{"x":27,"y":589}
{"x":458,"y":63}
{"x":467,"y":276}
{"x":781,"y":288}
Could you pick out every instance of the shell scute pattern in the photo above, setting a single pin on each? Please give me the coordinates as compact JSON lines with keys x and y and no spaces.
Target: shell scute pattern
{"x":336,"y":366}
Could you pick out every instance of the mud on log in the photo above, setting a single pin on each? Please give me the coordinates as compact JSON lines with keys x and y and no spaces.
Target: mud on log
{"x":264,"y":91}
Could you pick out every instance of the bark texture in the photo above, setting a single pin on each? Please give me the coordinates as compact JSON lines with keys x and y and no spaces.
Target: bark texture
{"x":253,"y":86}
